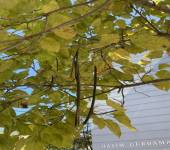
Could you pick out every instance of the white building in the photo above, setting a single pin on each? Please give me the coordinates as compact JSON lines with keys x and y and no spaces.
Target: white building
{"x":149,"y":110}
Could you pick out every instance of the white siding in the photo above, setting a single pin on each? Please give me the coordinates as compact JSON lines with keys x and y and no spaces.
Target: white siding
{"x":150,"y":114}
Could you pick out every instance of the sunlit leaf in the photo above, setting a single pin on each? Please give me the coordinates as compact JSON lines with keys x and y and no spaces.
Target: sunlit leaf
{"x":124,"y":119}
{"x":50,"y":44}
{"x":52,"y":5}
{"x":114,"y":127}
{"x":115,"y":105}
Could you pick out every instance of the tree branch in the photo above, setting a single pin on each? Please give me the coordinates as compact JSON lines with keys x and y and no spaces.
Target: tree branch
{"x":67,"y":23}
{"x":45,"y":14}
{"x":94,"y":96}
{"x":68,"y":86}
{"x":77,"y":77}
{"x":68,"y":7}
{"x":129,"y":85}
{"x":106,"y":112}
{"x":144,"y":18}
{"x":151,"y":4}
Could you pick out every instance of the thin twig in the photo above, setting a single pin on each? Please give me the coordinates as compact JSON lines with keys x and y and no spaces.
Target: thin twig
{"x":123,"y":97}
{"x":144,"y":18}
{"x":104,"y":113}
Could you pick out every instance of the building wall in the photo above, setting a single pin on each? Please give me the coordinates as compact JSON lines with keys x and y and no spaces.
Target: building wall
{"x":149,"y":110}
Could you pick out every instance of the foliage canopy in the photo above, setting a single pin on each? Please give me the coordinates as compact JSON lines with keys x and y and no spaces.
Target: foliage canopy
{"x":61,"y":57}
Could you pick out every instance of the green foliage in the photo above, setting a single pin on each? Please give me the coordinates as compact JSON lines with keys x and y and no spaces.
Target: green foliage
{"x":48,"y":50}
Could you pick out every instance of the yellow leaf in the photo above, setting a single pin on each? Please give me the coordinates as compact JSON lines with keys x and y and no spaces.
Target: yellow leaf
{"x":143,"y":62}
{"x":52,"y":5}
{"x":50,"y":44}
{"x":33,"y":144}
{"x":54,"y":138}
{"x":157,"y":1}
{"x":154,"y":54}
{"x":109,"y":38}
{"x":123,"y":119}
{"x":57,"y":19}
{"x":115,"y":105}
{"x":163,"y":74}
{"x":5,"y":65}
{"x":106,"y":39}
{"x":119,"y":54}
{"x":163,"y":85}
{"x":162,"y":66}
{"x":147,"y":78}
{"x":8,"y":4}
{"x":64,"y":53}
{"x":121,"y":24}
{"x":99,"y":122}
{"x":96,"y":23}
{"x":114,"y":127}
{"x":149,"y":41}
{"x":66,"y":33}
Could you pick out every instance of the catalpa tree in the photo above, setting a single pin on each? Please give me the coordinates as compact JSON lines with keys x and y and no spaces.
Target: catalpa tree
{"x":61,"y":57}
